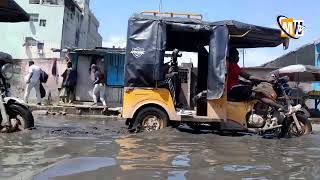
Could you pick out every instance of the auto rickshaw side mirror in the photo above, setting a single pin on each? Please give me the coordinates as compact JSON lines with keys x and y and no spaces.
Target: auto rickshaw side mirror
{"x":285,"y":43}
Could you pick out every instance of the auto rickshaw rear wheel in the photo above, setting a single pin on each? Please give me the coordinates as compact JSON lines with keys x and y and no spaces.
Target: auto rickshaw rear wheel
{"x":151,"y":119}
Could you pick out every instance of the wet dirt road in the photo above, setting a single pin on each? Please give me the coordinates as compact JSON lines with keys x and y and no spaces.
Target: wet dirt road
{"x":85,"y":148}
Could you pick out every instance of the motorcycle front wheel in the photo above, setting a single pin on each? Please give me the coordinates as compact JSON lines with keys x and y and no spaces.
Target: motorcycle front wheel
{"x":291,"y":130}
{"x":21,"y":117}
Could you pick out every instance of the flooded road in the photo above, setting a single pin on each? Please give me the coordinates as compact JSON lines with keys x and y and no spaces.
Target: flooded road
{"x":85,"y":148}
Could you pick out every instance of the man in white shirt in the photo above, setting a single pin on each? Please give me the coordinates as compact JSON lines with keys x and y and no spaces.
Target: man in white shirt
{"x":33,"y":81}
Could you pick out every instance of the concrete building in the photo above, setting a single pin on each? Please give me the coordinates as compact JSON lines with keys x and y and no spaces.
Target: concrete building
{"x":54,"y":24}
{"x":308,"y":54}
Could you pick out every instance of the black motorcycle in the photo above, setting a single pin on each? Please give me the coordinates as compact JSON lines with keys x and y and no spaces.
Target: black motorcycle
{"x":293,"y":123}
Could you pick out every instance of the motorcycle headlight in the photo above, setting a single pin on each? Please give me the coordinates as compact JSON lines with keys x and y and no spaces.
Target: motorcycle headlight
{"x":7,"y":71}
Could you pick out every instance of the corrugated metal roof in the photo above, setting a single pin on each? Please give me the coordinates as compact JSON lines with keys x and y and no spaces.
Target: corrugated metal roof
{"x":99,"y":51}
{"x":287,"y":54}
{"x":315,"y":42}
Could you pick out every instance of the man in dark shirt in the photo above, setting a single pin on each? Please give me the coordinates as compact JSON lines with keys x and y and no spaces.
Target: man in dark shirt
{"x":241,"y":92}
{"x":99,"y":87}
{"x":69,"y":82}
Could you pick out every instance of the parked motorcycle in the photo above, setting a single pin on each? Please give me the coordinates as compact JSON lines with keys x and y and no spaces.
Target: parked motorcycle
{"x":266,"y":119}
{"x":297,"y":96}
{"x":15,"y":114}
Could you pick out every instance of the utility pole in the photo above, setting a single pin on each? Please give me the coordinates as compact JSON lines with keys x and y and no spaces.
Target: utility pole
{"x":160,"y":5}
{"x":243,"y":52}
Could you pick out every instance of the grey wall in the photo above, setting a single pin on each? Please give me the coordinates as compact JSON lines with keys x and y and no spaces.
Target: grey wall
{"x":18,"y":84}
{"x":84,"y":84}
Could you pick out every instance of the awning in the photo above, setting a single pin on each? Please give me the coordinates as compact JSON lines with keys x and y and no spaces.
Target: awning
{"x":10,"y":11}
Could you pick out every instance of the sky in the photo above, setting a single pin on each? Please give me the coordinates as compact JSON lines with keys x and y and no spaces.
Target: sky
{"x":113,"y":16}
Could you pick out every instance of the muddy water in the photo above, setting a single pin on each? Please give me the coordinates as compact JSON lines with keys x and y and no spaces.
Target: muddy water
{"x":96,"y":149}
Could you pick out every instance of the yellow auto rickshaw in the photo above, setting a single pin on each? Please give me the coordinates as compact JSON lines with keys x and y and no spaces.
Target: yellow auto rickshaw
{"x":150,"y":98}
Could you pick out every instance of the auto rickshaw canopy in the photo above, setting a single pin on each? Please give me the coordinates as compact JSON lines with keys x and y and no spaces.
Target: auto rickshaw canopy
{"x":10,"y":11}
{"x":150,"y":36}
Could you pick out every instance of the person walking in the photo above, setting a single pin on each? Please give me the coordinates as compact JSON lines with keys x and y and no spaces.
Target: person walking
{"x":69,"y":82}
{"x":99,"y":88}
{"x":33,"y":81}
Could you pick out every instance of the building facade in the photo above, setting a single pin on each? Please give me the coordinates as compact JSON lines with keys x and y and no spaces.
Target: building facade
{"x":109,"y":60}
{"x":53,"y":25}
{"x":306,"y":55}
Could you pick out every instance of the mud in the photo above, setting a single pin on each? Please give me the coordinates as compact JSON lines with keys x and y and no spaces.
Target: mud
{"x":73,"y":148}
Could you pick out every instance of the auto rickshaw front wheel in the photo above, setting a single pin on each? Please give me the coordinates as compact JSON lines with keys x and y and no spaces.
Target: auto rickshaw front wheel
{"x":151,"y":119}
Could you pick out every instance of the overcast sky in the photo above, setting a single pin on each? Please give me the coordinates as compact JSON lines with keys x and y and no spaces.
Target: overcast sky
{"x":113,"y":17}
